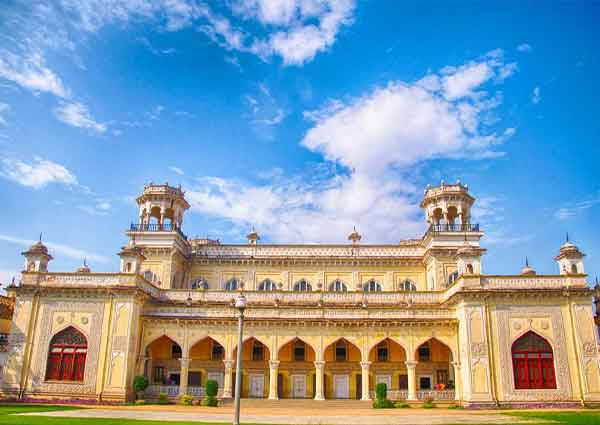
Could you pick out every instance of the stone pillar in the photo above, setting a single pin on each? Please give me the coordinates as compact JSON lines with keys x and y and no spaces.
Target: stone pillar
{"x":457,"y":386}
{"x":365,"y":381}
{"x":319,"y":376}
{"x":183,"y":376}
{"x":411,"y":368}
{"x":273,"y":369}
{"x":142,"y":365}
{"x":227,"y":377}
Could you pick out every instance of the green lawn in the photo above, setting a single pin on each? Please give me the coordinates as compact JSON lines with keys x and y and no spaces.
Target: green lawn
{"x":587,"y":417}
{"x":7,"y":417}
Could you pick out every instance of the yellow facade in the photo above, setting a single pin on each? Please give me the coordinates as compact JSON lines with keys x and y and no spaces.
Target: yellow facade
{"x":322,"y":322}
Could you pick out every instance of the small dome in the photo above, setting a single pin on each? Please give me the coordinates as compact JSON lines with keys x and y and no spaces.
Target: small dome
{"x":527,"y":270}
{"x":38,"y":247}
{"x":252,"y":237}
{"x":84,"y":268}
{"x":355,"y":237}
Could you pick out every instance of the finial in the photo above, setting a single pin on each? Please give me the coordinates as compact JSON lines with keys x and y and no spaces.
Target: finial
{"x":84,"y":262}
{"x":567,"y":236}
{"x":526,"y":261}
{"x":40,"y":237}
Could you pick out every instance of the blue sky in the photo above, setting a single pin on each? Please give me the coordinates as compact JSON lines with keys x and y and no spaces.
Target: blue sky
{"x":302,"y":118}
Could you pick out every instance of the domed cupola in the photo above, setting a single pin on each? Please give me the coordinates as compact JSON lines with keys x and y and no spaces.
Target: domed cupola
{"x":570,"y":258}
{"x":37,"y":257}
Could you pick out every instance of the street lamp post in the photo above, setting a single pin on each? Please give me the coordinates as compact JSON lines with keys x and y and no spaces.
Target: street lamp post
{"x":240,"y":304}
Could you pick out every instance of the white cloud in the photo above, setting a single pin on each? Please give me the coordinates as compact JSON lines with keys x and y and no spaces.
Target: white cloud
{"x":4,"y":107}
{"x":58,"y":249}
{"x":177,"y":170}
{"x":379,"y":139}
{"x":36,"y":174}
{"x":30,"y":72}
{"x":279,"y":116}
{"x":77,"y":115}
{"x":575,"y":208}
{"x":536,"y":96}
{"x":524,"y":47}
{"x":100,"y":208}
{"x":6,"y":277}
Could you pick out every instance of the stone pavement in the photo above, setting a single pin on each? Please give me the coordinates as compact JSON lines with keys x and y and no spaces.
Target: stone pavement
{"x":287,"y":412}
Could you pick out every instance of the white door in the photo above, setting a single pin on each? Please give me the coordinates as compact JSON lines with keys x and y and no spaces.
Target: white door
{"x":385,"y":379}
{"x":257,"y":386}
{"x":341,"y":386}
{"x":299,"y":386}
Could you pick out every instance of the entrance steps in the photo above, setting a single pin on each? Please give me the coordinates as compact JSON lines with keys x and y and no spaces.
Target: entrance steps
{"x":289,"y":403}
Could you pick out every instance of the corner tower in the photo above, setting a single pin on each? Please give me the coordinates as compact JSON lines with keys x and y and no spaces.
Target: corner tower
{"x":452,"y":241}
{"x":158,"y":236}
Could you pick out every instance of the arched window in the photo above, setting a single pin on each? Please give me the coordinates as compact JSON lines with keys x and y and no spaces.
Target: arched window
{"x":232,"y":284}
{"x":338,"y":286}
{"x":267,"y":285}
{"x":302,"y":286}
{"x":66,"y":358}
{"x":372,"y":286}
{"x":200,"y":283}
{"x":452,"y":278}
{"x":150,"y":276}
{"x":470,"y":268}
{"x":574,"y":269}
{"x":407,"y":285}
{"x":128,"y":268}
{"x":533,"y":362}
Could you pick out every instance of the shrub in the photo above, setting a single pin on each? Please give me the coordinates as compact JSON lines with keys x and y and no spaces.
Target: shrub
{"x":186,"y":400}
{"x":140,"y":402}
{"x":401,"y":405}
{"x":383,"y":404}
{"x":381,"y":391}
{"x":455,"y":406}
{"x":211,"y":388}
{"x":163,"y":398}
{"x":428,"y":403}
{"x":210,"y":401}
{"x":140,"y":383}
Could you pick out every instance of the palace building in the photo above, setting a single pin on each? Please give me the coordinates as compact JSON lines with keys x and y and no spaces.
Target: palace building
{"x":323,"y":321}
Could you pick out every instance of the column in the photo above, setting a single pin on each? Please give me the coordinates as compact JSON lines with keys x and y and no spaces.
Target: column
{"x":227,"y":377}
{"x":411,"y":368}
{"x":183,"y":376}
{"x":457,"y":383}
{"x":273,"y":369}
{"x":142,"y":365}
{"x":319,"y":369}
{"x":365,"y":380}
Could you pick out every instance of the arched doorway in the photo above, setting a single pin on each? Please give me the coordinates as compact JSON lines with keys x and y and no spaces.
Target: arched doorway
{"x":255,"y":369}
{"x":388,"y":365}
{"x":343,"y":375}
{"x":296,"y":377}
{"x":533,"y":362}
{"x":435,"y":375}
{"x":67,"y":356}
{"x":205,"y":362}
{"x":164,"y":366}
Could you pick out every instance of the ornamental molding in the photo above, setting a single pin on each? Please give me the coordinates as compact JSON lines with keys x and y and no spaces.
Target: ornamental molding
{"x":504,"y":316}
{"x":37,"y":383}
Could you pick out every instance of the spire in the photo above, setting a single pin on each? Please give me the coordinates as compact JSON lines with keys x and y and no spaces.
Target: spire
{"x":567,"y":238}
{"x":355,"y":237}
{"x":526,"y":261}
{"x":40,"y":240}
{"x":527,"y":270}
{"x":253,"y":237}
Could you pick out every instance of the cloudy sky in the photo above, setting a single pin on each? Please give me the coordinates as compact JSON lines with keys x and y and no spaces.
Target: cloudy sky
{"x":302,"y":118}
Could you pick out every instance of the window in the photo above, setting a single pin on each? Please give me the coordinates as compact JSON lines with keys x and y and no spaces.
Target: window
{"x":340,"y":351}
{"x":66,"y":359}
{"x":424,"y":382}
{"x":407,"y":285}
{"x":216,"y":351}
{"x":442,"y":377}
{"x":453,"y":276}
{"x":302,"y":286}
{"x":175,"y":351}
{"x":533,"y":363}
{"x":195,"y":379}
{"x":403,"y":382}
{"x":299,"y":351}
{"x":257,"y":351}
{"x":338,"y":286}
{"x":574,"y":269}
{"x":267,"y":285}
{"x":200,"y":283}
{"x":382,"y":352}
{"x":150,"y":276}
{"x":128,"y":268}
{"x":470,"y":268}
{"x":372,"y":286}
{"x":232,"y":284}
{"x":424,"y":354}
{"x":159,"y":375}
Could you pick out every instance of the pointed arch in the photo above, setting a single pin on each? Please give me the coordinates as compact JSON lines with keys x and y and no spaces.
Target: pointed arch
{"x":533,"y":362}
{"x":372,"y":286}
{"x":342,"y":350}
{"x":387,"y":350}
{"x":302,"y":286}
{"x":407,"y":285}
{"x":207,"y":348}
{"x":254,"y":349}
{"x":337,"y":286}
{"x":267,"y":285}
{"x":67,"y":355}
{"x":232,"y":284}
{"x":434,"y":350}
{"x":297,"y":350}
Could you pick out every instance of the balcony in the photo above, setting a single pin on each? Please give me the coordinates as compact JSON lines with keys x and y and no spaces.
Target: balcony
{"x":156,"y":227}
{"x":455,"y":227}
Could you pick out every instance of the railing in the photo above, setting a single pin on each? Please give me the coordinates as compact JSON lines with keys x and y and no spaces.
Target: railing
{"x":196,"y":391}
{"x":156,"y":227}
{"x":439,"y":395}
{"x":457,"y":227}
{"x":169,"y":390}
{"x":393,"y":394}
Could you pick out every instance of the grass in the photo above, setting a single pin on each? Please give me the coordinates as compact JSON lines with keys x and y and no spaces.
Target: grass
{"x":589,"y":417}
{"x":7,"y":417}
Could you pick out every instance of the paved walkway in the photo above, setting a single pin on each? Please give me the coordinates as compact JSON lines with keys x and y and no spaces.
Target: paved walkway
{"x":291,"y":414}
